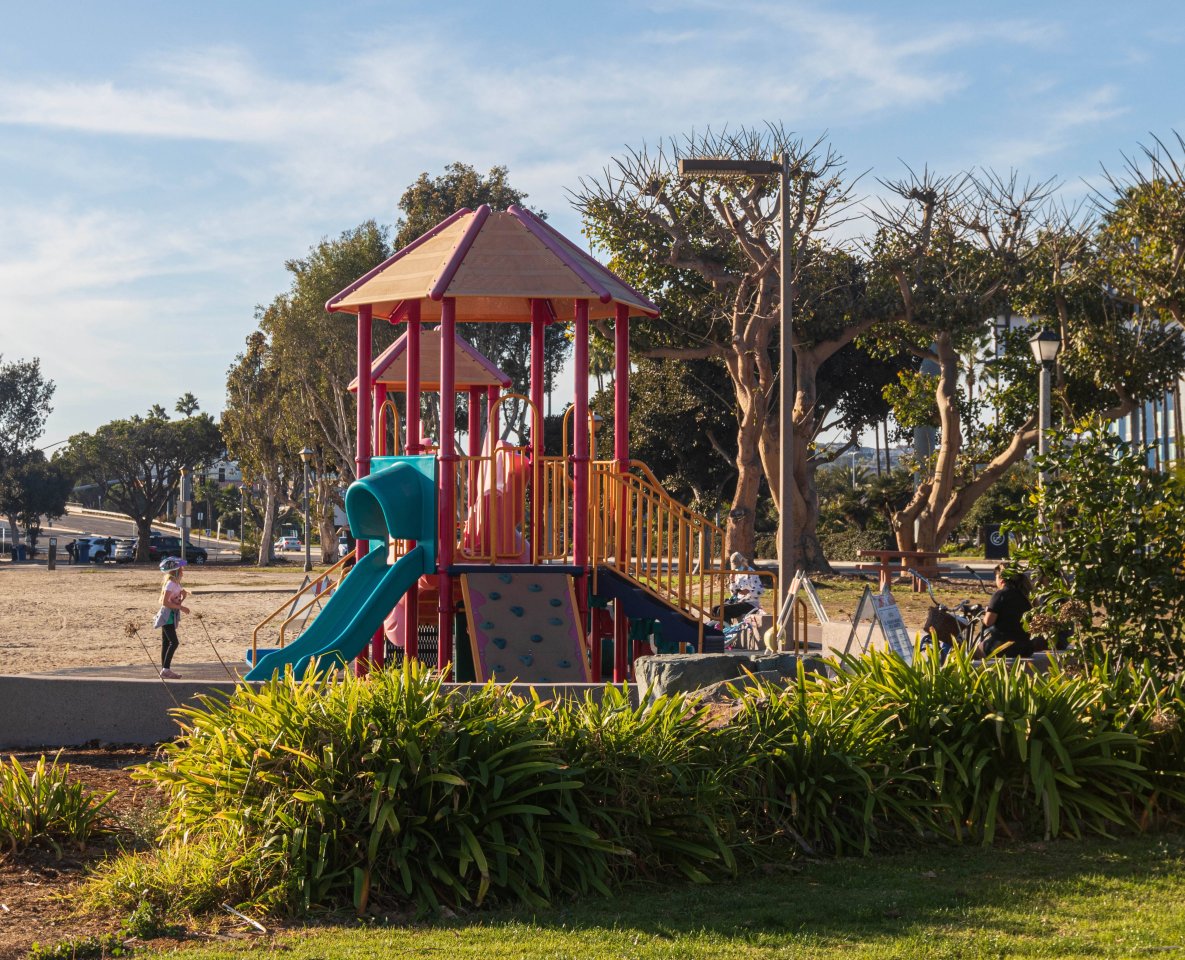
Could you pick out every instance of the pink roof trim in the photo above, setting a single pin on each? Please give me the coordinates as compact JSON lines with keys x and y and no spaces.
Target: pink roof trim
{"x":457,"y":257}
{"x":419,"y":241}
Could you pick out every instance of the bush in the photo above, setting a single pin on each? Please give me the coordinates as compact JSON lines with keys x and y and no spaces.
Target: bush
{"x":395,"y":790}
{"x":44,"y":807}
{"x":1104,"y":539}
{"x":843,"y":545}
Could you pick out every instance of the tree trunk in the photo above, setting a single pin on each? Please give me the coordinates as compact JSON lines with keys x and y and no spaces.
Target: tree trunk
{"x":805,"y":504}
{"x":143,"y":534}
{"x":267,"y":526}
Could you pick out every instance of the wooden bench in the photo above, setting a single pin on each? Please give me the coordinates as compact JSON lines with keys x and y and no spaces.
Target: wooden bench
{"x":891,"y":563}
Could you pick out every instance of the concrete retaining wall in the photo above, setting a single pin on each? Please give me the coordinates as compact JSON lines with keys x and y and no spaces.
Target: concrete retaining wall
{"x":51,"y":712}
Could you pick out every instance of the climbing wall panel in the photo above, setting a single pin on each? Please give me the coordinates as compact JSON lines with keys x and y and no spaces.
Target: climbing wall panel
{"x":525,"y":627}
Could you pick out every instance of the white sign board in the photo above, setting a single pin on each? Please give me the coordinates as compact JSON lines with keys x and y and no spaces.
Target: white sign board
{"x":881,"y":610}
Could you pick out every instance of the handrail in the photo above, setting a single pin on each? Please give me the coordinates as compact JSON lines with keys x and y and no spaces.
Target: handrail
{"x":660,"y":545}
{"x":337,"y":567}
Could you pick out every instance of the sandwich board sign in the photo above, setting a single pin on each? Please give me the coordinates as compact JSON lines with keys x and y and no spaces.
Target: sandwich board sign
{"x":800,"y":583}
{"x":881,"y":610}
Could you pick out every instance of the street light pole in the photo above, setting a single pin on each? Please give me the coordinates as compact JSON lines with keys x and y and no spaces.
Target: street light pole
{"x":1046,"y":344}
{"x":787,"y":388}
{"x":306,"y":456}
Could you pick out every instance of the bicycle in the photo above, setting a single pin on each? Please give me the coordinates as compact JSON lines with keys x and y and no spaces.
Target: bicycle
{"x":961,"y":624}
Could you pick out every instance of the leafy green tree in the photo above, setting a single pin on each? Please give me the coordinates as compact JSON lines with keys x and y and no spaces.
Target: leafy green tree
{"x":252,"y":422}
{"x":957,"y":251}
{"x":187,"y":404}
{"x":32,"y":488}
{"x":25,"y":397}
{"x":423,"y":205}
{"x":708,"y":251}
{"x":137,"y":463}
{"x":1105,"y":546}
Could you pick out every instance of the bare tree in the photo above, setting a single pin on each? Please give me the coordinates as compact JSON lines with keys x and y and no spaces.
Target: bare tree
{"x":709,"y":251}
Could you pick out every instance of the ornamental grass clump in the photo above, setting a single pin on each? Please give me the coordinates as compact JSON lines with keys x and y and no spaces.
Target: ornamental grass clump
{"x":1004,"y":747}
{"x":386,"y":791}
{"x":45,"y":807}
{"x":657,"y":782}
{"x":819,"y":768}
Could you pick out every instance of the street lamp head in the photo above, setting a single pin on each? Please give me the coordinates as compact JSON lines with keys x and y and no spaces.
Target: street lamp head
{"x":1046,"y":345}
{"x":306,"y":455}
{"x":713,"y":167}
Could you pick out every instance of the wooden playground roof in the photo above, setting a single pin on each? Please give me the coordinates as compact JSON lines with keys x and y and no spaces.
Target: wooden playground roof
{"x":493,"y":264}
{"x":473,"y":369}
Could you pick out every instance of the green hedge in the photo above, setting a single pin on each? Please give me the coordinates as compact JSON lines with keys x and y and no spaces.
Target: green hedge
{"x":394,"y":790}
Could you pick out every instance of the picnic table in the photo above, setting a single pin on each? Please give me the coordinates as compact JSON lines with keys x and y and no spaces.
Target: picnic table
{"x":891,"y":563}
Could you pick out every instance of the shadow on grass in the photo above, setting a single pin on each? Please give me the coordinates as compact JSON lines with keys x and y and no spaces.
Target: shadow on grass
{"x":1055,"y":891}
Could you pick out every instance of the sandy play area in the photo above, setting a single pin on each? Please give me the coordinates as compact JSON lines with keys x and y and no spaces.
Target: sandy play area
{"x":76,"y":615}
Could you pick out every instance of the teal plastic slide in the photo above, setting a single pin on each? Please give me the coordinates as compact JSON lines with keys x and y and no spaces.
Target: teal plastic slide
{"x":398,"y":501}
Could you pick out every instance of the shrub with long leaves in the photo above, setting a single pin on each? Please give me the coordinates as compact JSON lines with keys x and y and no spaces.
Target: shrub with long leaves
{"x":823,"y":770}
{"x":46,"y":807}
{"x":1004,"y":746}
{"x":393,"y":788}
{"x":657,"y":781}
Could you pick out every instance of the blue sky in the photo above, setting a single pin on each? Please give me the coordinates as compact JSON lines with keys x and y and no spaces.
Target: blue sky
{"x":160,"y":161}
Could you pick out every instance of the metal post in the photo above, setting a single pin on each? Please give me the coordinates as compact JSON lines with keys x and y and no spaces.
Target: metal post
{"x":308,"y":559}
{"x":786,"y":553}
{"x":1044,"y":415}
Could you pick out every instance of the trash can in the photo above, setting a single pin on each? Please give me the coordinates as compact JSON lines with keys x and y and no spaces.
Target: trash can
{"x":82,"y":552}
{"x":19,"y":552}
{"x":995,"y":542}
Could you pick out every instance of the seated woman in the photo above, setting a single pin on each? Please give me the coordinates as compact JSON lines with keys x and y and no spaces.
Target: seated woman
{"x":1008,"y":605}
{"x":745,"y":590}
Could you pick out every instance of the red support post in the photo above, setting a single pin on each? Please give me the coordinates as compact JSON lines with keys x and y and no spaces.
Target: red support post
{"x":448,"y":466}
{"x":492,"y":427}
{"x":362,"y":450}
{"x":621,"y":388}
{"x":538,"y":320}
{"x":412,"y":417}
{"x":474,"y":444}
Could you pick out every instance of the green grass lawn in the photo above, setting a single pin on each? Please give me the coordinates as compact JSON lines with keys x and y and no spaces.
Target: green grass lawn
{"x":1087,"y":899}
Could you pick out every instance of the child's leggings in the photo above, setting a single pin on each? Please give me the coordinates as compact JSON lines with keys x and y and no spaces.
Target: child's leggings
{"x":168,"y":644}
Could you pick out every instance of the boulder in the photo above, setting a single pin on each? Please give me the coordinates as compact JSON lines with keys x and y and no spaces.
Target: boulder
{"x":687,"y":672}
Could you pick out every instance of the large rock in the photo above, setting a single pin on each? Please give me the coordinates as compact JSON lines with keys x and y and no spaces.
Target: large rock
{"x":687,"y":672}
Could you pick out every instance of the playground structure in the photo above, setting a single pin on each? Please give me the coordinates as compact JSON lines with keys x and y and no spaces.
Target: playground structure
{"x":525,"y":564}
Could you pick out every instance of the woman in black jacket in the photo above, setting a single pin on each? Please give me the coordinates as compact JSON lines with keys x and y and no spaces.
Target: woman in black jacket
{"x":1008,"y":605}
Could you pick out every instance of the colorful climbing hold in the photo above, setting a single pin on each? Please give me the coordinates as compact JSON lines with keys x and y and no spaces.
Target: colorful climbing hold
{"x":535,"y":588}
{"x":495,"y":595}
{"x":527,"y":659}
{"x":499,"y":642}
{"x":556,"y":602}
{"x":536,"y":638}
{"x":517,"y":611}
{"x":556,"y":621}
{"x":506,"y":577}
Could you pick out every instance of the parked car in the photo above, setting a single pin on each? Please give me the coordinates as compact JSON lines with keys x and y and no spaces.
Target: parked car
{"x":288,"y":543}
{"x":161,"y":546}
{"x":124,"y":551}
{"x":91,"y":549}
{"x":345,"y":544}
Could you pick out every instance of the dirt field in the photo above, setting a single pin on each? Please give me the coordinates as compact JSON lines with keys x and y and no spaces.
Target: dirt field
{"x":76,"y":615}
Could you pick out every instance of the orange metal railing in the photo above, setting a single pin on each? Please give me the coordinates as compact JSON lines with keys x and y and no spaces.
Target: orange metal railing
{"x":667,"y":549}
{"x":319,"y":588}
